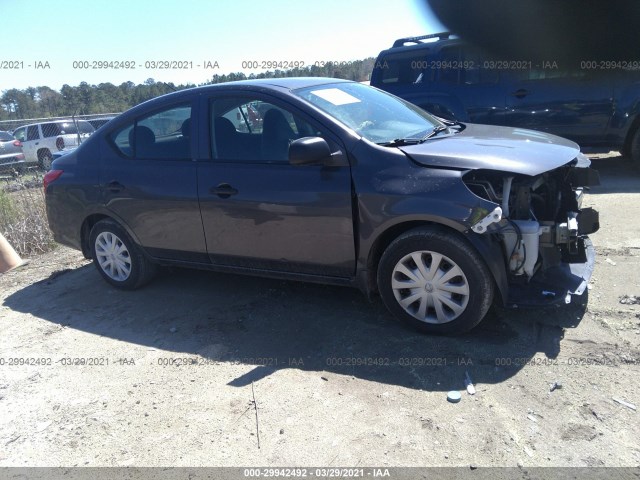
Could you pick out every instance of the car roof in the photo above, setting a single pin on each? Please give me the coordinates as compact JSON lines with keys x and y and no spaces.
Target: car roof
{"x":69,"y":120}
{"x":288,"y":83}
{"x":433,"y":42}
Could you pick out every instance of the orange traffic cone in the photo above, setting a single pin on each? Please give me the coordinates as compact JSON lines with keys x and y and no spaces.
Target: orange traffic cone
{"x":9,"y":259}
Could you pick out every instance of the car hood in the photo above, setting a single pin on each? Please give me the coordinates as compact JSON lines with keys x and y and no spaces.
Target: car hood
{"x":488,"y":147}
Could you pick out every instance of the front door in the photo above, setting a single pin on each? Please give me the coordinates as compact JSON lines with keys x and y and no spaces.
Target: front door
{"x":258,"y":210}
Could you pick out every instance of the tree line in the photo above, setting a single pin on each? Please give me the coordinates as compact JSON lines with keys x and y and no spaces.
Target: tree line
{"x":85,"y":99}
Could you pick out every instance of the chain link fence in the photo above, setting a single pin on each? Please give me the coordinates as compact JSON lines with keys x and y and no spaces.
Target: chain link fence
{"x":11,"y":125}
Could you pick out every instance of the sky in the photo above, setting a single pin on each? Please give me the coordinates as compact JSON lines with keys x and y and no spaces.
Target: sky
{"x":52,"y":43}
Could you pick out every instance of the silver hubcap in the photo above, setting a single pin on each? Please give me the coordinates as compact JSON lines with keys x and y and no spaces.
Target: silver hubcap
{"x":430,"y":287}
{"x":113,"y":256}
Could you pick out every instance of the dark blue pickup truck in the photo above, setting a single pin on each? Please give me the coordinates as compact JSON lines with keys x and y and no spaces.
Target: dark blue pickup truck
{"x":594,"y":103}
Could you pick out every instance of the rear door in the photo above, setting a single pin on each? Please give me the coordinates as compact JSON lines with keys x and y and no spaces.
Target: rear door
{"x":258,"y":210}
{"x":30,"y":138}
{"x":148,"y":182}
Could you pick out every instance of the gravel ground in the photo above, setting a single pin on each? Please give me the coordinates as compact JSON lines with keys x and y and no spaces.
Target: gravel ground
{"x":204,"y":369}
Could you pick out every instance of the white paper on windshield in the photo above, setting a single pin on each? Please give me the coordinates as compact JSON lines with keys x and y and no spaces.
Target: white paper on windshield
{"x":335,"y":96}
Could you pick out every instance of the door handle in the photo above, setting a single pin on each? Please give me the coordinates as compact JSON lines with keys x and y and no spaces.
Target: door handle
{"x":115,"y":187}
{"x":224,"y":190}
{"x":520,"y":93}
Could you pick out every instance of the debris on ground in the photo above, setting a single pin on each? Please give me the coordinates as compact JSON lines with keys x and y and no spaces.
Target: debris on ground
{"x":555,"y":386}
{"x":471,"y":390}
{"x":622,"y":402}
{"x":630,"y":300}
{"x":454,"y":396}
{"x":610,"y":262}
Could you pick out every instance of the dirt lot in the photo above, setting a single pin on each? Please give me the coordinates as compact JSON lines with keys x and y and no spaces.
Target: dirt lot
{"x":203,"y":369}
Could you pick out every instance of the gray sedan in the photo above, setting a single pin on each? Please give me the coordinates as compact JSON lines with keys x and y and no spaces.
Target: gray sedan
{"x":11,"y":156}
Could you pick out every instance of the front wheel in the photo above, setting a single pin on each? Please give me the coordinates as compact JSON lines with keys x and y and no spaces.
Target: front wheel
{"x":118,"y":259}
{"x":435,"y":281}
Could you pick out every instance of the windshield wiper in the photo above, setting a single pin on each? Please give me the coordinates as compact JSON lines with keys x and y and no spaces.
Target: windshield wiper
{"x":399,"y":142}
{"x":436,"y":130}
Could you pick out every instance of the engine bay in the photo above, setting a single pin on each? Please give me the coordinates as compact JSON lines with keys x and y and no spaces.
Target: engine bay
{"x":538,"y":219}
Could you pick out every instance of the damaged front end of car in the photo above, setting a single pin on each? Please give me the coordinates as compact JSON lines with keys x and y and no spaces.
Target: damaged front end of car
{"x":542,"y":229}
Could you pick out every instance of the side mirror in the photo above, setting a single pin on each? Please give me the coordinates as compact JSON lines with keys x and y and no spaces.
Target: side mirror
{"x":309,"y":151}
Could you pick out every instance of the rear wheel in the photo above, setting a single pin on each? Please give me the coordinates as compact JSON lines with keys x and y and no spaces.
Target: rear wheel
{"x":118,"y":259}
{"x":435,"y":281}
{"x":45,"y":159}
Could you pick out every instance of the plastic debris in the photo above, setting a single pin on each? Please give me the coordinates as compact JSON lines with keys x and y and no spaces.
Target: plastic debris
{"x":471,"y":390}
{"x":555,"y":386}
{"x":454,"y":396}
{"x":610,"y":262}
{"x":626,"y":404}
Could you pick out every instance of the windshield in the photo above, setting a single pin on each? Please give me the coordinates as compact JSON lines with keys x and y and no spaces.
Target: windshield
{"x":376,"y":115}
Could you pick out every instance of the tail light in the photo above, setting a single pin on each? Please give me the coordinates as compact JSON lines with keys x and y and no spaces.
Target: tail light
{"x":51,"y":176}
{"x":59,"y":143}
{"x":17,"y":143}
{"x":20,"y":156}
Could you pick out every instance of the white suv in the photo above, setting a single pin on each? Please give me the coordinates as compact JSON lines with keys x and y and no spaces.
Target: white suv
{"x":40,"y":140}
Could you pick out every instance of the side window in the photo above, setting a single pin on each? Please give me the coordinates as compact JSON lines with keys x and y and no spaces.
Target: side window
{"x":32,"y":133}
{"x":163,"y":135}
{"x":251,"y":130}
{"x":473,"y":63}
{"x":50,"y":129}
{"x":121,"y":140}
{"x":19,"y":134}
{"x":450,"y":60}
{"x":405,"y":69}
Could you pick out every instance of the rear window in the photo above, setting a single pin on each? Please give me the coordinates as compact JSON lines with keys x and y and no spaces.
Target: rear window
{"x":6,"y":137}
{"x":66,"y":128}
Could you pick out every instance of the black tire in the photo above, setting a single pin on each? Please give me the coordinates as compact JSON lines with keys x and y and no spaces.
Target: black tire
{"x":129,"y":269}
{"x":44,"y":160}
{"x":634,"y":149}
{"x":475,"y":283}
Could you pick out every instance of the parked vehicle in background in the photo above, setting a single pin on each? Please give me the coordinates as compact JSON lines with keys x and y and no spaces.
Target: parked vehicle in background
{"x":98,"y":122}
{"x":40,"y":140}
{"x":597,"y":105}
{"x":11,"y":156}
{"x":334,"y":182}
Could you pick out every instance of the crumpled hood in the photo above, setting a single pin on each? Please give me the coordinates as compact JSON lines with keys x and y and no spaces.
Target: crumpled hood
{"x":489,"y":147}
